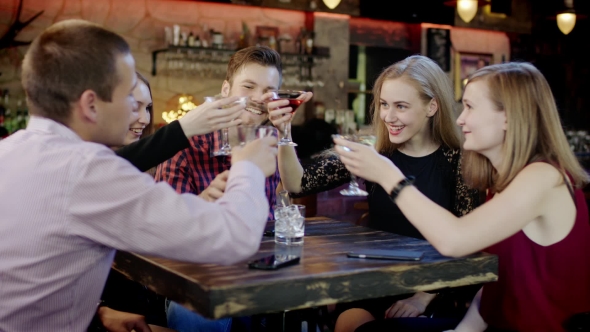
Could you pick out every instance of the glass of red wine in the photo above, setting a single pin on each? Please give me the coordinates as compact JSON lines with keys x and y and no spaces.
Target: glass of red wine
{"x":295,"y":101}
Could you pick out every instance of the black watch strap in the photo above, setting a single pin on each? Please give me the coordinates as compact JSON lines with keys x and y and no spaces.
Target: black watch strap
{"x":408,"y":181}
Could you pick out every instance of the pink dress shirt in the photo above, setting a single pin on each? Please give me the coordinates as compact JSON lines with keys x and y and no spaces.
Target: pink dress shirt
{"x":67,"y":204}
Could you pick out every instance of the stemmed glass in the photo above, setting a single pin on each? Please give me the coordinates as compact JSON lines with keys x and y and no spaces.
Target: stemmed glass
{"x":294,"y":102}
{"x":225,"y":148}
{"x":353,"y":187}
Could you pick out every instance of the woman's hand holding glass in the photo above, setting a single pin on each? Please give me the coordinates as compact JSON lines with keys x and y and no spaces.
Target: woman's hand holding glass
{"x":211,"y":116}
{"x":281,"y":114}
{"x":225,"y":148}
{"x":363,"y":161}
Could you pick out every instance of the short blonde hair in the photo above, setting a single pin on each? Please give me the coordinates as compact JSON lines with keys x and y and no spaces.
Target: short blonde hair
{"x":534,"y":131}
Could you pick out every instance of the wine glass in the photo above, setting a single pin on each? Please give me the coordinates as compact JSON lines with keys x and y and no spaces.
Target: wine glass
{"x":294,"y":102}
{"x":353,"y":187}
{"x":225,"y":148}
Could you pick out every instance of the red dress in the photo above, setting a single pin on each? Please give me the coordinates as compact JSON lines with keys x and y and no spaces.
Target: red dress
{"x":539,"y":287}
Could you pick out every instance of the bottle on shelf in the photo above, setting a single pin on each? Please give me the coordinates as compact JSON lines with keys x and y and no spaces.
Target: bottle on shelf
{"x":272,"y":42}
{"x":176,"y":35}
{"x":309,"y":42}
{"x":206,"y":36}
{"x":300,"y":41}
{"x":191,"y":39}
{"x":244,"y":37}
{"x":216,"y":39}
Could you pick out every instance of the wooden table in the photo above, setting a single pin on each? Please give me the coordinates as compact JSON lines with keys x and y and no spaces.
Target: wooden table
{"x":325,"y":274}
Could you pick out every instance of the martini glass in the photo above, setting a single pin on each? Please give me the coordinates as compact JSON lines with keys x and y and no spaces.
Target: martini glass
{"x":294,"y":101}
{"x":353,"y":186}
{"x":225,"y":148}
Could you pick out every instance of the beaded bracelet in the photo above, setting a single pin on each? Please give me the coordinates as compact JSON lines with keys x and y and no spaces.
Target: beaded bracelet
{"x":408,"y":181}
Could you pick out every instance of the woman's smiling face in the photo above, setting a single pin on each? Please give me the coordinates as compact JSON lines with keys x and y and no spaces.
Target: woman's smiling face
{"x":144,"y":101}
{"x":402,"y":110}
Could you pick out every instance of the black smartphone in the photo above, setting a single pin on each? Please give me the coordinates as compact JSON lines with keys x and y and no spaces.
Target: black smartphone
{"x":274,"y":262}
{"x":393,"y":254}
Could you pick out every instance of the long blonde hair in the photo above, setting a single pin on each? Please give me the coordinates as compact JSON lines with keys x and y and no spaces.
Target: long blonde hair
{"x":534,"y":131}
{"x":432,"y":83}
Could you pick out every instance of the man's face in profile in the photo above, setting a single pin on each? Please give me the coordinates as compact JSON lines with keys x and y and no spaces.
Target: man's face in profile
{"x":115,"y":117}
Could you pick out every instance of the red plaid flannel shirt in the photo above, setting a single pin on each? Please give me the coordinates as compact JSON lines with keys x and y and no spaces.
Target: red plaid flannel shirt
{"x":193,"y":169}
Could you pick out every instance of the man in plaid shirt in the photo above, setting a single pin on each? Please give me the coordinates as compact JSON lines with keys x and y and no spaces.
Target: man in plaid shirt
{"x":254,"y":72}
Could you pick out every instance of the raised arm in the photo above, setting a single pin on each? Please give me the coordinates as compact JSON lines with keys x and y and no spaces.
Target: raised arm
{"x":290,"y":169}
{"x":289,"y":166}
{"x":524,"y":200}
{"x":130,"y":212}
{"x":172,"y":138}
{"x":324,"y":173}
{"x":155,"y":149}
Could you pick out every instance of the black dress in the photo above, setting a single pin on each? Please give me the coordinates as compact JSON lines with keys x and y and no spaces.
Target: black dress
{"x":438,"y":176}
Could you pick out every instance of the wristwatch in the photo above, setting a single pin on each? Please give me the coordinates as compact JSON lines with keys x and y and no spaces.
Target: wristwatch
{"x":408,"y":181}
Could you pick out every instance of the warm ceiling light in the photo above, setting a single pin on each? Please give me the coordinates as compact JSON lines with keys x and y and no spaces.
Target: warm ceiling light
{"x":332,"y":3}
{"x":467,"y":9}
{"x":566,"y":22}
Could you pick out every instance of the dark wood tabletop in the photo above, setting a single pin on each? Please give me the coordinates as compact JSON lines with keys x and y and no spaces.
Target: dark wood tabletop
{"x":325,"y":274}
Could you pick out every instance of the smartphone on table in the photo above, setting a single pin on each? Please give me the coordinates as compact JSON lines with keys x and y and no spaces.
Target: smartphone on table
{"x":392,"y":254}
{"x":274,"y":262}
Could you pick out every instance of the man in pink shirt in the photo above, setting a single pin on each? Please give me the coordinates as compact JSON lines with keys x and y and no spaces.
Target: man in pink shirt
{"x":68,"y":201}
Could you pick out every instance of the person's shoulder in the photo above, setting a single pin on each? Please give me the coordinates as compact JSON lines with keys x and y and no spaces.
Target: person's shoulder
{"x":79,"y":148}
{"x":538,"y":176}
{"x":541,"y":169}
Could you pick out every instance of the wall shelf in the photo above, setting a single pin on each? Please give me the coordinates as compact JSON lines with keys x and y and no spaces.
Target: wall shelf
{"x":189,"y":58}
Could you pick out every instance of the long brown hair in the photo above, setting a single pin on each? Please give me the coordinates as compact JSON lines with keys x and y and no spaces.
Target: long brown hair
{"x":534,"y":131}
{"x":431,"y":83}
{"x":149,"y":129}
